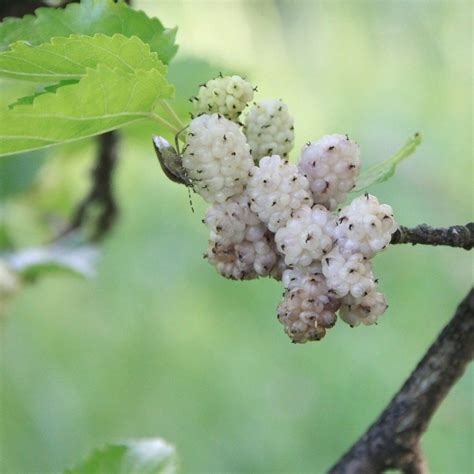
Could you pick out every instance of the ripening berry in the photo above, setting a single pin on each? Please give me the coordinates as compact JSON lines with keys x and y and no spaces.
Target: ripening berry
{"x":216,"y":157}
{"x":233,"y":222}
{"x":365,"y":226}
{"x":365,"y":310}
{"x":269,"y":129}
{"x":307,"y":235}
{"x":331,"y":165}
{"x":308,"y":307}
{"x":350,"y":274}
{"x":298,"y":277}
{"x":245,"y":260}
{"x":234,"y":261}
{"x":240,"y":246}
{"x":276,"y":189}
{"x":280,"y":266}
{"x":226,"y":95}
{"x":307,"y":314}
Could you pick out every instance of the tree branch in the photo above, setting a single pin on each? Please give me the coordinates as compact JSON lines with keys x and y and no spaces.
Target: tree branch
{"x":392,"y":442}
{"x":455,"y":236}
{"x":10,"y":8}
{"x":100,"y":194}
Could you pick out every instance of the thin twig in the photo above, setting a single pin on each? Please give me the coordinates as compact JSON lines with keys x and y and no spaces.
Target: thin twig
{"x":101,"y":192}
{"x":393,"y":441}
{"x":455,"y":236}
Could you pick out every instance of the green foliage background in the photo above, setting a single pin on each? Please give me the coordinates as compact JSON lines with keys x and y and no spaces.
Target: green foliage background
{"x":159,"y":345}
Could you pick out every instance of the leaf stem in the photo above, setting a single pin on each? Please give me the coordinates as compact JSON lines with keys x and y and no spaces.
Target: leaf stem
{"x":171,"y":112}
{"x":163,"y":122}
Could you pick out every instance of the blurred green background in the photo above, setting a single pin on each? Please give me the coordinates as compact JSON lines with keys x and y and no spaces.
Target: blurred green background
{"x":160,"y":345}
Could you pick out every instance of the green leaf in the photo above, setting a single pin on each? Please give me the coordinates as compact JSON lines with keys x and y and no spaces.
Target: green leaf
{"x":147,"y":456}
{"x":382,"y":171}
{"x":67,"y":58}
{"x":29,"y":99}
{"x":34,"y":262}
{"x":17,"y":172}
{"x":103,"y":100}
{"x":88,"y":18}
{"x":11,"y":89}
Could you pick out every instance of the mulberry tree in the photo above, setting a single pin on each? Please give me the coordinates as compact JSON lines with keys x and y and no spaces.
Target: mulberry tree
{"x":301,"y":215}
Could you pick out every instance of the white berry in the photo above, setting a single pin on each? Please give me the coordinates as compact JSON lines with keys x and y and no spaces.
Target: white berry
{"x":276,"y":189}
{"x":348,"y":274}
{"x":216,"y":157}
{"x":306,"y":236}
{"x":233,"y":221}
{"x":365,"y":310}
{"x":244,"y":260}
{"x":365,"y":226}
{"x":307,"y":314}
{"x":298,"y":277}
{"x":331,"y":165}
{"x":269,"y":129}
{"x":226,"y":95}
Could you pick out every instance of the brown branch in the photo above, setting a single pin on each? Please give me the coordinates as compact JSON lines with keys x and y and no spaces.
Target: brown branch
{"x":455,"y":236}
{"x":392,"y":442}
{"x":100,"y":194}
{"x":11,"y":8}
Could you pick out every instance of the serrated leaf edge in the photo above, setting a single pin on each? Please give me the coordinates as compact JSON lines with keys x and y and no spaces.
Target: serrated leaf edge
{"x":43,"y":11}
{"x":51,"y":142}
{"x":59,"y":40}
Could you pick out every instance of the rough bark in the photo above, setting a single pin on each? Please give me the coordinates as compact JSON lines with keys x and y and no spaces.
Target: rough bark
{"x":455,"y":236}
{"x":393,"y":440}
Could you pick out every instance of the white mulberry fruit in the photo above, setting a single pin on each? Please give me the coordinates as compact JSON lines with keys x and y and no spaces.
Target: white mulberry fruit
{"x":348,"y":275}
{"x":240,"y":246}
{"x":276,"y":188}
{"x":365,"y":310}
{"x":306,"y":313}
{"x":298,"y":277}
{"x":331,"y":165}
{"x":244,"y":260}
{"x":365,"y":226}
{"x":306,"y":236}
{"x":216,"y":157}
{"x":279,"y":267}
{"x":226,"y":95}
{"x":269,"y":129}
{"x":233,"y":222}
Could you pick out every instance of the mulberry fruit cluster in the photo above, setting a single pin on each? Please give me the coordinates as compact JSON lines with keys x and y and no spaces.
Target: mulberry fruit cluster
{"x":271,"y":218}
